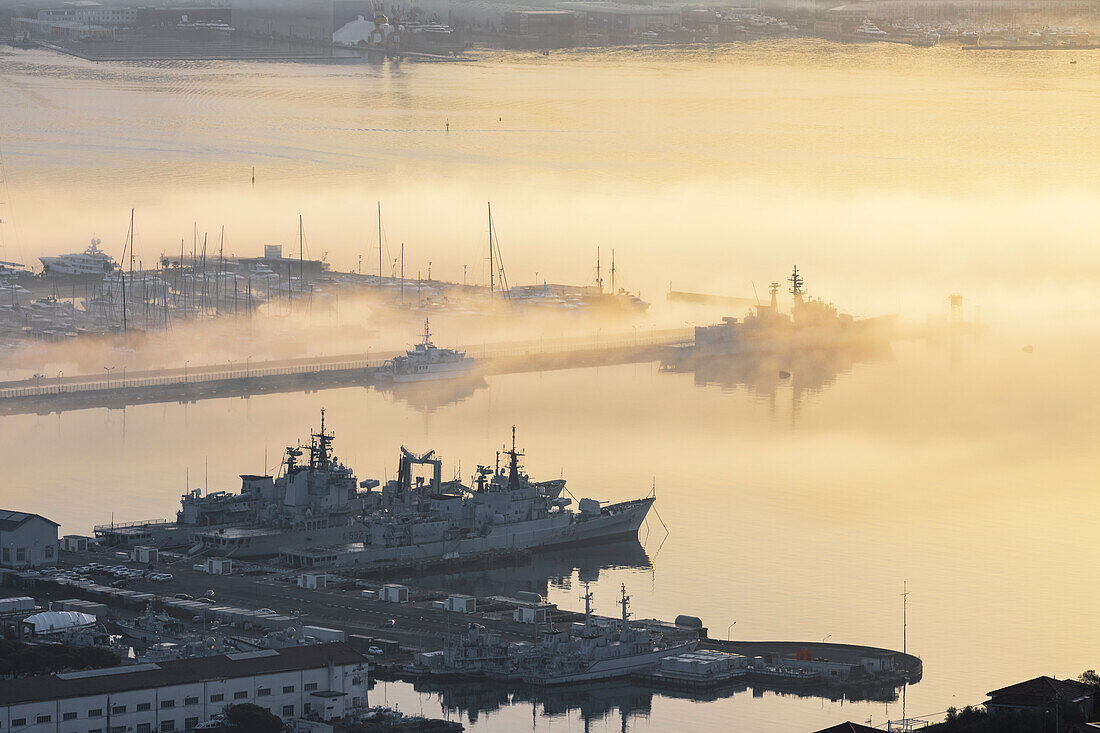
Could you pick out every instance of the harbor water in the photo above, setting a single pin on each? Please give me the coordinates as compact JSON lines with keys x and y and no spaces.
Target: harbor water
{"x":789,"y":507}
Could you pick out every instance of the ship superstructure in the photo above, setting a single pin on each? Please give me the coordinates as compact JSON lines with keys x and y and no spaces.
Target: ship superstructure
{"x":313,"y":502}
{"x":422,"y":517}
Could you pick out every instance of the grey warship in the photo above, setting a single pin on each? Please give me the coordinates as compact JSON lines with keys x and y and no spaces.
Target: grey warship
{"x":812,"y":324}
{"x":316,"y":513}
{"x":573,"y":654}
{"x":422,"y":518}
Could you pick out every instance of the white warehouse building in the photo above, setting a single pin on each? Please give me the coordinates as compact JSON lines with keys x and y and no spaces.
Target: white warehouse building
{"x":325,"y":680}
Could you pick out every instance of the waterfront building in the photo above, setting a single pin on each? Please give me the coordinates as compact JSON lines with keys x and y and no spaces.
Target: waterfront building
{"x":27,"y":540}
{"x":321,"y":680}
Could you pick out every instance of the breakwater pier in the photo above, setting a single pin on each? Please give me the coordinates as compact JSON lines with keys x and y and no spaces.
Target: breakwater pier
{"x":58,"y":393}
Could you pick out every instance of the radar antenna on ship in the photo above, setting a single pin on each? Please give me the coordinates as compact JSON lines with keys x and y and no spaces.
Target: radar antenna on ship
{"x":320,"y":446}
{"x":513,"y":463}
{"x":796,"y":283}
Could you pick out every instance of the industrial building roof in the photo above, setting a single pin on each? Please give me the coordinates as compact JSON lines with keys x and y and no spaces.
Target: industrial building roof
{"x":10,"y":520}
{"x":175,"y":672}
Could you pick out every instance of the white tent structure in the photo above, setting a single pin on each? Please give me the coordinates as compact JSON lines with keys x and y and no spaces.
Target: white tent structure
{"x":53,"y":622}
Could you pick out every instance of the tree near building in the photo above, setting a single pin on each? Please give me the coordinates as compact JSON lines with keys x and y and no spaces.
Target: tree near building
{"x":249,"y":718}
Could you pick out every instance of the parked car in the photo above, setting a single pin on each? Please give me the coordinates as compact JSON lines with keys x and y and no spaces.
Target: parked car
{"x":376,"y":651}
{"x":206,"y":599}
{"x":183,"y":597}
{"x":268,"y":611}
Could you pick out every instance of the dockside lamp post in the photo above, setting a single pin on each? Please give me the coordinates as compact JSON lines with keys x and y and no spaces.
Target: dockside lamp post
{"x":59,"y":375}
{"x":826,"y":637}
{"x":728,"y":629}
{"x":185,"y":363}
{"x":246,"y":361}
{"x":108,"y":369}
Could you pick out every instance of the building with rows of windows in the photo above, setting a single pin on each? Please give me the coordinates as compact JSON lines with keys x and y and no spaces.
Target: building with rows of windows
{"x":316,"y":681}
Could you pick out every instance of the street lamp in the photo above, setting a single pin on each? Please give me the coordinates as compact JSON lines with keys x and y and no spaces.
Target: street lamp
{"x":59,"y":375}
{"x":230,"y":368}
{"x":826,"y":637}
{"x":728,"y":628}
{"x":185,"y":370}
{"x":124,"y":377}
{"x":108,"y":370}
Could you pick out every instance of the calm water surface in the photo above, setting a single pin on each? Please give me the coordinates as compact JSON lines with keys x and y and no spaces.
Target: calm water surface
{"x":796,"y":508}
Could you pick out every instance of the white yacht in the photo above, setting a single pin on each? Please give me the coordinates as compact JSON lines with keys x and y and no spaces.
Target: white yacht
{"x":428,"y":361}
{"x":92,"y":261}
{"x":869,"y":30}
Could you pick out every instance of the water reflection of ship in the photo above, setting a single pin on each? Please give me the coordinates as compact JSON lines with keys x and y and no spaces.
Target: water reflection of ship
{"x":432,"y":395}
{"x":553,"y":568}
{"x":597,"y":701}
{"x":808,"y":372}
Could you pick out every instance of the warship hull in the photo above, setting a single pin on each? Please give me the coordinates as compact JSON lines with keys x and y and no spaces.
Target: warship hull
{"x":557,"y":530}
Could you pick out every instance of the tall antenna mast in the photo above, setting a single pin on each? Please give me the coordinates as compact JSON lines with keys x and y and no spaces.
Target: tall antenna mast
{"x":904,"y":617}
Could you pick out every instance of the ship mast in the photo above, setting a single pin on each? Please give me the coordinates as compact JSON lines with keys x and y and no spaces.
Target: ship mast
{"x":587,"y":598}
{"x":513,"y":464}
{"x":625,"y":603}
{"x":796,"y":286}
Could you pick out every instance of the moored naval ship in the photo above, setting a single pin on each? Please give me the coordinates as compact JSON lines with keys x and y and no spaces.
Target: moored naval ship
{"x":812,"y":324}
{"x":427,"y":362}
{"x":582,"y":652}
{"x":424,"y":518}
{"x":316,"y":514}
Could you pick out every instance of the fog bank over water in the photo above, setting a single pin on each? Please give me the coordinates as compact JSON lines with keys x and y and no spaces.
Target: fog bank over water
{"x":890,"y":175}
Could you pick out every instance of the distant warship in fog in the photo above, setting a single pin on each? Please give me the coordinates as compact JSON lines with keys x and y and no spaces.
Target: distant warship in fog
{"x":317,"y":513}
{"x":812,"y":324}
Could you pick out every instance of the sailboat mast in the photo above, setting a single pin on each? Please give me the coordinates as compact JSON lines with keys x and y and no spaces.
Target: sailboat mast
{"x":301,"y":250}
{"x":492,"y":271}
{"x":379,"y":244}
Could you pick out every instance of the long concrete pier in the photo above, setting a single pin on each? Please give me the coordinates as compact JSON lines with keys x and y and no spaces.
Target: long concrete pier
{"x":46,"y":394}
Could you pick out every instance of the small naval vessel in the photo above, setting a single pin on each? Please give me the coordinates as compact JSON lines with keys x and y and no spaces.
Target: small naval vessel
{"x":427,"y":362}
{"x":582,"y":652}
